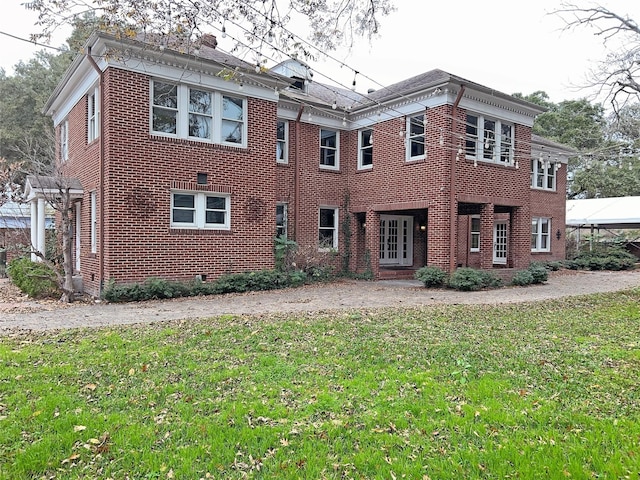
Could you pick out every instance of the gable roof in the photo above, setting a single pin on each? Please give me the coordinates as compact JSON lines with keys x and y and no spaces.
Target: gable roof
{"x":613,"y":212}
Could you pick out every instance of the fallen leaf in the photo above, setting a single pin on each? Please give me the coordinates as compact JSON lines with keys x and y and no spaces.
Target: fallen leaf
{"x":132,"y":371}
{"x":91,"y":386}
{"x":79,"y":428}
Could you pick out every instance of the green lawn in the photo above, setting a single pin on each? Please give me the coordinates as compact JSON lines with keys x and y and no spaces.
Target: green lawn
{"x":545,"y":390}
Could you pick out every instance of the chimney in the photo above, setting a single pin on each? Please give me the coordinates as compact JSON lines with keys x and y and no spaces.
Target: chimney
{"x":209,"y":40}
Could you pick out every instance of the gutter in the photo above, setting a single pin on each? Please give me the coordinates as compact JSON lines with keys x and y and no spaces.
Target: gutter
{"x":453,"y":210}
{"x":101,"y":174}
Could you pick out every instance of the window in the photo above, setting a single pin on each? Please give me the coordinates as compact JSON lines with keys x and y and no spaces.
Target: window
{"x":200,"y":210}
{"x":365,"y":149}
{"x":329,"y":157}
{"x":282,"y":142}
{"x":475,"y":234}
{"x":94,"y":221}
{"x":540,"y":234}
{"x":328,"y":229}
{"x":93,"y":115}
{"x":415,"y":137}
{"x":281,"y":220}
{"x":64,"y":141}
{"x":489,"y":140}
{"x":194,"y":113}
{"x":543,"y":174}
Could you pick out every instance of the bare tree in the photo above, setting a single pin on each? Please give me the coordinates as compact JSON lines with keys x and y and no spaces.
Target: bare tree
{"x":617,"y":77}
{"x":255,"y":23}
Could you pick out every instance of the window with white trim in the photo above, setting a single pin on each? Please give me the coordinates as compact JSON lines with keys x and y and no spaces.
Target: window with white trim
{"x":182,"y":111}
{"x":474,"y":231}
{"x":328,"y":228}
{"x":365,"y":149}
{"x":64,"y":141}
{"x":94,"y":222}
{"x":540,"y":234}
{"x":200,"y":210}
{"x":489,"y":140}
{"x":281,"y":220}
{"x":282,"y":142}
{"x":93,"y":115}
{"x":415,"y":137}
{"x":543,"y":174}
{"x":329,"y":154}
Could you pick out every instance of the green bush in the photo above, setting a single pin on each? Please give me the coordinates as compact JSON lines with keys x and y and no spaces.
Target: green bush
{"x":431,"y":276}
{"x":36,"y":279}
{"x":469,"y":279}
{"x":522,"y":278}
{"x":158,"y":288}
{"x":539,"y":273}
{"x":603,"y":257}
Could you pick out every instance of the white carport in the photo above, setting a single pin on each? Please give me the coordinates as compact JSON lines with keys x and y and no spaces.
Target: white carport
{"x":612,"y":213}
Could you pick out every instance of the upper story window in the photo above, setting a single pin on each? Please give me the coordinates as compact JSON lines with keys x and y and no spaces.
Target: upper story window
{"x":365,"y":149}
{"x":475,"y":233}
{"x":281,"y":220}
{"x":415,"y":137}
{"x":329,"y":155}
{"x":186,"y":112}
{"x":489,"y":140}
{"x":543,"y":174}
{"x":93,"y":115}
{"x":200,"y":210}
{"x":540,"y":234}
{"x":282,"y":142}
{"x":64,"y":141}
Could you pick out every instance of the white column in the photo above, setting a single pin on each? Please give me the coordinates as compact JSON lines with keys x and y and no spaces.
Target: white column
{"x":34,"y":229}
{"x":41,"y":225}
{"x":77,"y":235}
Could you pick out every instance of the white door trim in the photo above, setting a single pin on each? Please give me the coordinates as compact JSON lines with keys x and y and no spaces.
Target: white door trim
{"x":396,"y":240}
{"x":500,"y":242}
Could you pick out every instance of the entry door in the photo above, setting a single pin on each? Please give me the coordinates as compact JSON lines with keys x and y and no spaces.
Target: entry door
{"x":396,"y":240}
{"x":500,"y":243}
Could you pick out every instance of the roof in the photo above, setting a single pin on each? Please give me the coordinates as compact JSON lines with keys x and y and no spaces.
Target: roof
{"x":615,"y":212}
{"x":39,"y":186}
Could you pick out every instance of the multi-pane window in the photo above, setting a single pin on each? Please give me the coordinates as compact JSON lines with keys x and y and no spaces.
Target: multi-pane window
{"x":185,"y":112}
{"x":540,"y":234}
{"x":475,"y":234}
{"x":282,"y":142}
{"x":281,"y":220}
{"x":64,"y":141}
{"x":200,"y":210}
{"x":93,"y":115}
{"x":489,"y":140}
{"x":415,"y":137}
{"x":543,"y":174}
{"x":329,"y":157}
{"x":365,"y":149}
{"x":328,"y":228}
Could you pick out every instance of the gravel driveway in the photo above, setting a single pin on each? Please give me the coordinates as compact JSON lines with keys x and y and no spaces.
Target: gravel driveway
{"x":18,"y":312}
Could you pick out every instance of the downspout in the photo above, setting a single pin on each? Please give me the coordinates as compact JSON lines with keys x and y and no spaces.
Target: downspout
{"x":101,"y":174}
{"x":453,"y":246}
{"x":297,"y":176}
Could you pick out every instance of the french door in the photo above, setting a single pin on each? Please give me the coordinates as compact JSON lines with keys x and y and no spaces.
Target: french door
{"x":500,"y":242}
{"x":396,"y":240}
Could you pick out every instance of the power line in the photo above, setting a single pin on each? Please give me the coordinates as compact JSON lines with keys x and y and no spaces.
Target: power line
{"x":61,"y":50}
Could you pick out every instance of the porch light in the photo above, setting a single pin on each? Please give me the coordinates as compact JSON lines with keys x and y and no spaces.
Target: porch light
{"x":423,"y":228}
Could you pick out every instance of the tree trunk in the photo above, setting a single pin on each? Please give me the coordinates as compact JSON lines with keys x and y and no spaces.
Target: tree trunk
{"x":67,"y":258}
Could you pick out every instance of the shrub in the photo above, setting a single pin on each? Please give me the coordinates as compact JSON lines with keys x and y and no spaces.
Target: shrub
{"x":539,"y":273}
{"x":469,"y":279}
{"x":522,"y":278}
{"x":431,"y":276}
{"x":603,"y":257}
{"x":36,"y":279}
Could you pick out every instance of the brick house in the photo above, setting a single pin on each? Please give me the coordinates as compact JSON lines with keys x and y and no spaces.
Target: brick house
{"x":190,"y":160}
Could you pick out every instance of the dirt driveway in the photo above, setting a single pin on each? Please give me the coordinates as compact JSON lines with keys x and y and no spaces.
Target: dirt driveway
{"x":18,"y":312}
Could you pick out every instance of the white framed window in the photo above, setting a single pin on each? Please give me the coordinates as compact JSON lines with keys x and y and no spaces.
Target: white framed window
{"x":415,"y":145}
{"x":328,"y":228}
{"x":474,"y":232}
{"x":200,"y":210}
{"x":281,"y":220}
{"x":543,"y":174}
{"x":64,"y":141}
{"x":489,"y":140}
{"x":94,"y":222}
{"x":182,"y":111}
{"x":93,"y":115}
{"x":540,"y":234}
{"x":282,"y":141}
{"x":329,"y":153}
{"x":365,"y":149}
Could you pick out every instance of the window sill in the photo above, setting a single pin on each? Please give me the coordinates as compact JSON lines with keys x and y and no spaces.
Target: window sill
{"x":364,"y":169}
{"x":282,"y":164}
{"x":411,"y":161}
{"x":194,"y":142}
{"x":510,"y":166}
{"x":198,"y":231}
{"x":540,"y":252}
{"x":329,"y":169}
{"x":542,"y":189}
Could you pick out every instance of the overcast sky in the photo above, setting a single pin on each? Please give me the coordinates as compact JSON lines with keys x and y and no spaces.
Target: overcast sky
{"x":509,"y":45}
